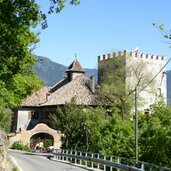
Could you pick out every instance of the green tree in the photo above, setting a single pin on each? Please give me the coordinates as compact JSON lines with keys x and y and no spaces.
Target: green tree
{"x":5,"y":116}
{"x":116,"y":137}
{"x":17,"y":78}
{"x":93,"y":129}
{"x":69,"y":121}
{"x":58,"y":5}
{"x":155,"y":136}
{"x":79,"y":124}
{"x":112,"y":74}
{"x":17,"y":40}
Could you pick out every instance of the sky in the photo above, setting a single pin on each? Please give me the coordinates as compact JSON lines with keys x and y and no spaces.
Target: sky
{"x":98,"y":27}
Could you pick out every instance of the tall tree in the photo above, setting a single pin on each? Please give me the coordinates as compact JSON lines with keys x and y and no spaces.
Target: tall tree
{"x":17,"y":40}
{"x":79,"y":124}
{"x":155,"y":136}
{"x":116,"y":137}
{"x":17,"y":78}
{"x":92,"y":129}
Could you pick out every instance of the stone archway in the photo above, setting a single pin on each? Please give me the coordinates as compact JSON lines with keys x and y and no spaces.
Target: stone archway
{"x":25,"y":135}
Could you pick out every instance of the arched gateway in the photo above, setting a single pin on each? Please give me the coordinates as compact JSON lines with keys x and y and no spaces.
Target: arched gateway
{"x":25,"y":135}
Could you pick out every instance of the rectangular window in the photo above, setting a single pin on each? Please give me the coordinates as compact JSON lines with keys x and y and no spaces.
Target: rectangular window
{"x":33,"y":115}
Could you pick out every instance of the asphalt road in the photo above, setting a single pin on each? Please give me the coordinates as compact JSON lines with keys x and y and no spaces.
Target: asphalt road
{"x":32,"y":162}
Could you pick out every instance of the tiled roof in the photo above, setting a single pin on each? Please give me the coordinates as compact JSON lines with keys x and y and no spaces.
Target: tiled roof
{"x":37,"y":97}
{"x":75,"y":66}
{"x":79,"y":87}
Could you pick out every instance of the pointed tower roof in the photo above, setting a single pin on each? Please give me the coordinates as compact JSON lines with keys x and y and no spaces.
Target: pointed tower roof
{"x":75,"y":67}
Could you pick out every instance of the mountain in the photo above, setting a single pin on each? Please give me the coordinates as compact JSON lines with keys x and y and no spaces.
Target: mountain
{"x":52,"y":72}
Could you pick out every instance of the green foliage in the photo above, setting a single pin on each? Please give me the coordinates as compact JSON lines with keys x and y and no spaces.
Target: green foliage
{"x":19,"y":146}
{"x":47,"y":142}
{"x":78,"y":124}
{"x":5,"y":116}
{"x":116,"y":137}
{"x":92,"y":129}
{"x":15,"y":169}
{"x":112,"y":84}
{"x":165,"y":33}
{"x":17,"y":78}
{"x":59,"y":5}
{"x":155,"y":139}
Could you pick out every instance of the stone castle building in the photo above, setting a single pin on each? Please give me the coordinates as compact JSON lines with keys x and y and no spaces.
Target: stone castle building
{"x":31,"y":120}
{"x":144,"y":71}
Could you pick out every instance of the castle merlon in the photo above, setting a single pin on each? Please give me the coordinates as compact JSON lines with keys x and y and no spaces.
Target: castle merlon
{"x":130,"y":54}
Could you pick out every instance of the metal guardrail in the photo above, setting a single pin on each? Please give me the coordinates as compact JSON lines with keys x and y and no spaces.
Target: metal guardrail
{"x":104,"y":162}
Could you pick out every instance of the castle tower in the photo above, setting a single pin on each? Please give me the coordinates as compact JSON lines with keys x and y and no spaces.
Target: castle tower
{"x":147,"y":72}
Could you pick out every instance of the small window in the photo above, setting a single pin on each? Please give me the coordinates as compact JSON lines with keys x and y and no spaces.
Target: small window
{"x":69,"y":77}
{"x":33,"y":115}
{"x":159,"y":92}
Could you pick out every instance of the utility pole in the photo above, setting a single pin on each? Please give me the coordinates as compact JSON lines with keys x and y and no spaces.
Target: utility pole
{"x":136,"y":125}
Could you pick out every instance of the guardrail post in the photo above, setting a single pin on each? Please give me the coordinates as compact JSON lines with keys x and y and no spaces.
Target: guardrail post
{"x":118,"y":162}
{"x":71,"y":157}
{"x":55,"y":153}
{"x":58,"y":156}
{"x":86,"y":160}
{"x":80,"y":159}
{"x":63,"y":151}
{"x":104,"y":164}
{"x":98,"y":165}
{"x":142,"y":166}
{"x":75,"y":155}
{"x":92,"y":164}
{"x":111,"y":159}
{"x":67,"y":157}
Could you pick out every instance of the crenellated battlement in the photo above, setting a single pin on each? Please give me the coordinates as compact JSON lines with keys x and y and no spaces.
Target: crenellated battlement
{"x":131,"y":54}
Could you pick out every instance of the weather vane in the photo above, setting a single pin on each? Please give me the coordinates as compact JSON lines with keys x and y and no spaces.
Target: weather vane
{"x":75,"y":56}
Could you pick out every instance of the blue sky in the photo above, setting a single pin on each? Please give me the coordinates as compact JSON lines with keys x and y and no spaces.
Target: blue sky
{"x":98,"y":27}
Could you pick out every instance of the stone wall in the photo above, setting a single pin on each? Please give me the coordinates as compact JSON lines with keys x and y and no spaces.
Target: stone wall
{"x":6,"y":163}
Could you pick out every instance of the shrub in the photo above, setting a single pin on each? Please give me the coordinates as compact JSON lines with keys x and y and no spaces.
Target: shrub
{"x":15,"y":169}
{"x":19,"y":146}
